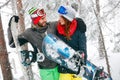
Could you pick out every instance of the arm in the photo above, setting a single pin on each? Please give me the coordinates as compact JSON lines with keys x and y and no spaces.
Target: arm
{"x":82,"y":42}
{"x":52,"y":27}
{"x":81,"y":25}
{"x":82,"y":36}
{"x":22,"y":39}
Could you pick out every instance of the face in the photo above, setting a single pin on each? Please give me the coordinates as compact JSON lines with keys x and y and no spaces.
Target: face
{"x":42,"y":22}
{"x":61,"y":20}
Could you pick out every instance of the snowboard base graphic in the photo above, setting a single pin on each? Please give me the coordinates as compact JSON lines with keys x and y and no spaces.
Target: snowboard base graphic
{"x":56,"y":50}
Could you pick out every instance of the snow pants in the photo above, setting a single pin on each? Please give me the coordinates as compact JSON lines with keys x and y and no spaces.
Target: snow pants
{"x":49,"y":74}
{"x":69,"y":77}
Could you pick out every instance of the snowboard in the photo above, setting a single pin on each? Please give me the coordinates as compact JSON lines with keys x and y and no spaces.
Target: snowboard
{"x":56,"y":50}
{"x":93,"y":72}
{"x":27,"y":70}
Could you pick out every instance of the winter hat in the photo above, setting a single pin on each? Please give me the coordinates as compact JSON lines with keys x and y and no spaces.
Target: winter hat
{"x":36,"y":14}
{"x":67,"y":12}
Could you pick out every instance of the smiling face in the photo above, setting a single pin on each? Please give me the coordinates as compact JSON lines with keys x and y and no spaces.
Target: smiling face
{"x":42,"y":22}
{"x":61,"y":20}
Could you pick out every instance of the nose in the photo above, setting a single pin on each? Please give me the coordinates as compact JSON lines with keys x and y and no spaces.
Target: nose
{"x":45,"y":19}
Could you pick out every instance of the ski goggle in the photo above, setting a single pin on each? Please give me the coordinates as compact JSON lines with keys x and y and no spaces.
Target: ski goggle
{"x":62,"y":10}
{"x":40,"y":13}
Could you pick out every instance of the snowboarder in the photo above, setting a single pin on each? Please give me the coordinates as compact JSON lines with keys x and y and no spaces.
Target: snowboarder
{"x":35,"y":35}
{"x":72,"y":31}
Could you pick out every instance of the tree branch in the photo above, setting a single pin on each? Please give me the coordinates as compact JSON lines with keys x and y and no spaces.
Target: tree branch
{"x":112,"y":9}
{"x":5,"y":4}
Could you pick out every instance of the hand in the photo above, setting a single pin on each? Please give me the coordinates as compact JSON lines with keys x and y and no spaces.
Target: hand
{"x":28,"y":57}
{"x":16,"y":18}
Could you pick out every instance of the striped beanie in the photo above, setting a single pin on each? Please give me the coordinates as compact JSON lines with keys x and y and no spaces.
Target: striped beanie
{"x":36,"y":14}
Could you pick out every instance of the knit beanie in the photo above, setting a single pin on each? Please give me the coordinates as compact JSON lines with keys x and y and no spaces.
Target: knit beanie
{"x":36,"y":14}
{"x":67,"y":12}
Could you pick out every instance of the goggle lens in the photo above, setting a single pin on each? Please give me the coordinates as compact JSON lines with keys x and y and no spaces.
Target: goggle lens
{"x":40,"y":12}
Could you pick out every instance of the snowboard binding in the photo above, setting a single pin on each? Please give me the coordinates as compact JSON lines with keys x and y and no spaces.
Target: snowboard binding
{"x":40,"y":57}
{"x":30,"y":56}
{"x":78,"y":59}
{"x":97,"y":74}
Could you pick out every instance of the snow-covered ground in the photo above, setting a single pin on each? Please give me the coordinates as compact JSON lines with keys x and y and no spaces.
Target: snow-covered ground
{"x":114,"y":59}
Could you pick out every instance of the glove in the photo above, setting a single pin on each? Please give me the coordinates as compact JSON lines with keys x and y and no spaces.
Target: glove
{"x":28,"y":57}
{"x":82,"y":57}
{"x":16,"y":18}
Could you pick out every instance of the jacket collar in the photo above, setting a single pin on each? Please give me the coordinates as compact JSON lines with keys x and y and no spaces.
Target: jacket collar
{"x":39,"y":29}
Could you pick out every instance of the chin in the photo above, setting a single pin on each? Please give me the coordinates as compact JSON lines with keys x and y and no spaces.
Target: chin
{"x":44,"y":24}
{"x":62,"y":24}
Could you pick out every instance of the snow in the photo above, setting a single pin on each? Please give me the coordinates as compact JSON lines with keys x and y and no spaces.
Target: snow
{"x":114,"y":59}
{"x":93,"y":55}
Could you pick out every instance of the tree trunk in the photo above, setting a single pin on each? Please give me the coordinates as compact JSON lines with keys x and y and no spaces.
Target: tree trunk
{"x":17,"y":8}
{"x":21,"y":29}
{"x":4,"y":61}
{"x":102,"y":49}
{"x":101,"y":45}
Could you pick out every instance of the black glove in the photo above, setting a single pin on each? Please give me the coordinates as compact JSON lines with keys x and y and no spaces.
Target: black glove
{"x":82,"y":57}
{"x":28,"y":57}
{"x":16,"y":18}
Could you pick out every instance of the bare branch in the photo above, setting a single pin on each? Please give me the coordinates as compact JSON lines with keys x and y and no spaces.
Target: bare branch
{"x":113,"y":9}
{"x":5,"y":4}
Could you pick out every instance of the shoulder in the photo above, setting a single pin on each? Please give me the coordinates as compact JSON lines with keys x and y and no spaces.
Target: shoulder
{"x":29,"y":30}
{"x":52,"y":27}
{"x":26,"y":32}
{"x":80,"y":20}
{"x":50,"y":24}
{"x":81,"y":25}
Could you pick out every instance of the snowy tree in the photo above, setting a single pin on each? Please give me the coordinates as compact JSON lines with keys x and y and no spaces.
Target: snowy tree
{"x":4,"y":61}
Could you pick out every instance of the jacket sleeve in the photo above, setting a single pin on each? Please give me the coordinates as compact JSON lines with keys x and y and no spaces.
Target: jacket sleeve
{"x":23,"y":37}
{"x":81,"y":25}
{"x":82,"y":36}
{"x":82,"y":42}
{"x":52,"y":27}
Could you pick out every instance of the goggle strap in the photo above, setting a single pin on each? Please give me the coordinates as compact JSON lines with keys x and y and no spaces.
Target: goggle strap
{"x":34,"y":15}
